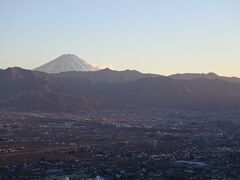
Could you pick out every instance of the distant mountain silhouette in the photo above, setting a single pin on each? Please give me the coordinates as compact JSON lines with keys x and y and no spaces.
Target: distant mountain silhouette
{"x":165,"y":93}
{"x":65,"y":63}
{"x":191,"y":76}
{"x":106,"y":75}
{"x":76,"y":91}
{"x":29,"y":90}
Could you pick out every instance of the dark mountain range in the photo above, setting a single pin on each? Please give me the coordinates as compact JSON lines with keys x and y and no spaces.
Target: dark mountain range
{"x":166,"y":93}
{"x":75,"y":91}
{"x":191,"y":76}
{"x":106,"y":75}
{"x":29,"y":90}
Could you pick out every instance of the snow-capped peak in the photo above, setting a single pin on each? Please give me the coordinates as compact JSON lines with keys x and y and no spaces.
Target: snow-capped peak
{"x":65,"y":63}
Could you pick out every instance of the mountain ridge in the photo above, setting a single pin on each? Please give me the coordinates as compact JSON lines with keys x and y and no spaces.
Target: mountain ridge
{"x":32,"y":90}
{"x":210,"y":75}
{"x":28,"y":90}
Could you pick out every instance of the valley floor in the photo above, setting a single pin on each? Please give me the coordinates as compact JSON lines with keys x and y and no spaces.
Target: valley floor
{"x":135,"y":143}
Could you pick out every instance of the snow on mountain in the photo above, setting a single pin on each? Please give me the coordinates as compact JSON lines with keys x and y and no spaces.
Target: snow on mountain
{"x":65,"y":63}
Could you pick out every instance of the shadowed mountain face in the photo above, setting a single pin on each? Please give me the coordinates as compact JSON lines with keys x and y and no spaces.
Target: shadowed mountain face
{"x":76,"y":91}
{"x":105,"y":75}
{"x":65,"y":63}
{"x":16,"y":80}
{"x":191,"y":76}
{"x":165,"y":93}
{"x":29,"y":90}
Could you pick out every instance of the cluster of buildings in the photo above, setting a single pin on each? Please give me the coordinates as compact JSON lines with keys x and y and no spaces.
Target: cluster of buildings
{"x":120,"y":144}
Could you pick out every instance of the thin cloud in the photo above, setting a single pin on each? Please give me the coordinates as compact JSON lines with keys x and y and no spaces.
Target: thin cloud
{"x":103,"y":66}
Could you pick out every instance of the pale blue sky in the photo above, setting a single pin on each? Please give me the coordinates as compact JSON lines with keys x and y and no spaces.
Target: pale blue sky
{"x":158,"y":36}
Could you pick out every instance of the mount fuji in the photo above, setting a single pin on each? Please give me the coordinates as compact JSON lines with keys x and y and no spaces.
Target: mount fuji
{"x":65,"y":63}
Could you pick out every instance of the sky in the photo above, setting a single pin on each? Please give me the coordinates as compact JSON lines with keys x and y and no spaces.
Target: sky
{"x":157,"y":36}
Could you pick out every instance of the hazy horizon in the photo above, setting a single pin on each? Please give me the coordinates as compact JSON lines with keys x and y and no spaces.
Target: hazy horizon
{"x":156,"y":36}
{"x":109,"y":66}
